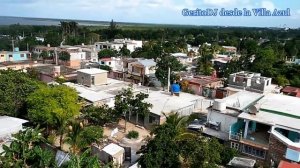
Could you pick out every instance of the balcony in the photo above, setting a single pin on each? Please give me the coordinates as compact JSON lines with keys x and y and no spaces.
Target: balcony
{"x":257,"y":134}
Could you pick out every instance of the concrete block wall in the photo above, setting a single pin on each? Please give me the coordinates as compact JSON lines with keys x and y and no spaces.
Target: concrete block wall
{"x":277,"y":149}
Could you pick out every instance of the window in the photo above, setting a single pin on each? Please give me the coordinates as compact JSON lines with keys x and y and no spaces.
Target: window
{"x":102,"y":62}
{"x":234,"y":145}
{"x":10,"y":56}
{"x":2,"y":55}
{"x":109,"y":63}
{"x":260,"y":153}
{"x":22,"y":55}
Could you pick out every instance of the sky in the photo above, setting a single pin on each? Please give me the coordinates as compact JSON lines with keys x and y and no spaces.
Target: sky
{"x":155,"y":11}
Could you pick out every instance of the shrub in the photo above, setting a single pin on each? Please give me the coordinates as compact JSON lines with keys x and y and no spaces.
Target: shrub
{"x":132,"y":135}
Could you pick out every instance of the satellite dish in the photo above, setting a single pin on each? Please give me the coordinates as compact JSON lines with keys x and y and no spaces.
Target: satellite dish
{"x":252,"y":110}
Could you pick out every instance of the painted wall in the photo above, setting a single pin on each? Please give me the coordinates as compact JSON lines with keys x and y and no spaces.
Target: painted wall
{"x":225,"y":120}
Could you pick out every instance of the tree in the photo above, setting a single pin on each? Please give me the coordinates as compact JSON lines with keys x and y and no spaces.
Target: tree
{"x":162,"y":150}
{"x":204,"y":65}
{"x":53,"y":38}
{"x":64,"y":56}
{"x":126,"y":102}
{"x":282,"y":80}
{"x":83,"y":160}
{"x":165,"y":62}
{"x":25,"y":151}
{"x":105,"y":67}
{"x":124,"y":51}
{"x":106,"y":53}
{"x":53,"y":106}
{"x":80,"y":137}
{"x":100,"y":115}
{"x":45,"y":54}
{"x":15,"y":86}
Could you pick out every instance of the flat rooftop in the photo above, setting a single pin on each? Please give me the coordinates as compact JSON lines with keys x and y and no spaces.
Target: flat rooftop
{"x":92,"y":71}
{"x":277,"y":109}
{"x":8,"y":124}
{"x":162,"y":101}
{"x":241,"y":100}
{"x":113,"y":149}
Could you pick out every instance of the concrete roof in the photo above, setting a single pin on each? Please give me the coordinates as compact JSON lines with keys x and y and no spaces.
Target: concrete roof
{"x":161,"y":101}
{"x":92,"y":71}
{"x":10,"y":123}
{"x":242,"y":99}
{"x":113,"y":149}
{"x":276,"y":109}
{"x":164,"y":102}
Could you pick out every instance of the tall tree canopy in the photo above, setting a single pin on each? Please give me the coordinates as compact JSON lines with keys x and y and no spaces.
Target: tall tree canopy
{"x":163,"y":64}
{"x":15,"y":86}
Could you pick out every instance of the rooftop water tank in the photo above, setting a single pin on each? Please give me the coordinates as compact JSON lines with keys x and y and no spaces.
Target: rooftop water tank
{"x":219,"y":104}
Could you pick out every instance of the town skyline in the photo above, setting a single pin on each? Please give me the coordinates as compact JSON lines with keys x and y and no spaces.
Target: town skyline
{"x":155,"y":11}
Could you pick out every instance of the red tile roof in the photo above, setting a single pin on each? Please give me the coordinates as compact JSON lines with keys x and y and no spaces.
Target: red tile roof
{"x":105,"y":59}
{"x":293,"y":91}
{"x":285,"y":164}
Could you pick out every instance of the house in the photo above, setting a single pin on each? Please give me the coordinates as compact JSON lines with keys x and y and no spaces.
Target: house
{"x":91,"y":53}
{"x":250,"y":81}
{"x":15,"y":55}
{"x":269,"y":129}
{"x":163,"y":102}
{"x":229,"y":49}
{"x":194,"y":49}
{"x":203,"y":85}
{"x":20,"y":65}
{"x":93,"y":76}
{"x":224,"y":113}
{"x":113,"y":153}
{"x":183,"y":58}
{"x":139,"y":68}
{"x":8,"y":127}
{"x":109,"y":45}
{"x":49,"y":73}
{"x":291,"y":91}
{"x":77,"y":56}
{"x":131,"y":45}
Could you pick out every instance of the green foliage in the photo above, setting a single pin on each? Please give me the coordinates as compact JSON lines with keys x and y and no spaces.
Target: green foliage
{"x":107,"y":53}
{"x":124,"y":51}
{"x":25,"y":151}
{"x":100,"y":115}
{"x":128,"y":103}
{"x":84,"y":160}
{"x":53,"y":106}
{"x":161,"y":151}
{"x":133,"y":134}
{"x":105,"y":67}
{"x":53,"y":38}
{"x":227,"y":154}
{"x":64,"y":56}
{"x":15,"y":86}
{"x":165,"y":62}
{"x":47,"y":103}
{"x":91,"y":134}
{"x":281,"y":80}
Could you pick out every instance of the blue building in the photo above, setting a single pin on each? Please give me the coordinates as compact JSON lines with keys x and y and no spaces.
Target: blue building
{"x":15,"y":55}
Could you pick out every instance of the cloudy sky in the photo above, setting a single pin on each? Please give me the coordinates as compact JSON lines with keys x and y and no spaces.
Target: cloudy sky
{"x":152,"y":11}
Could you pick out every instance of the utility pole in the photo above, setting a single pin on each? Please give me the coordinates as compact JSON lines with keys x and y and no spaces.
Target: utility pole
{"x":169,"y":74}
{"x":13,"y":45}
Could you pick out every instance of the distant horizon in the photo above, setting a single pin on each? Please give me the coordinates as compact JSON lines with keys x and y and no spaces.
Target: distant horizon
{"x":169,"y":12}
{"x":40,"y":20}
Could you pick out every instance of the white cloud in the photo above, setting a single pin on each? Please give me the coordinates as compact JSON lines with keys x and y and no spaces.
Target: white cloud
{"x":268,"y":5}
{"x":219,"y":3}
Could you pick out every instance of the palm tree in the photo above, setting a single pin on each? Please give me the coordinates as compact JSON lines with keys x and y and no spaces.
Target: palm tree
{"x":24,"y":151}
{"x":180,"y":124}
{"x":73,"y":137}
{"x":83,"y":160}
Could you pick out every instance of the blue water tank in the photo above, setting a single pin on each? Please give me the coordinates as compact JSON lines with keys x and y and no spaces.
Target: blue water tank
{"x":175,"y":88}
